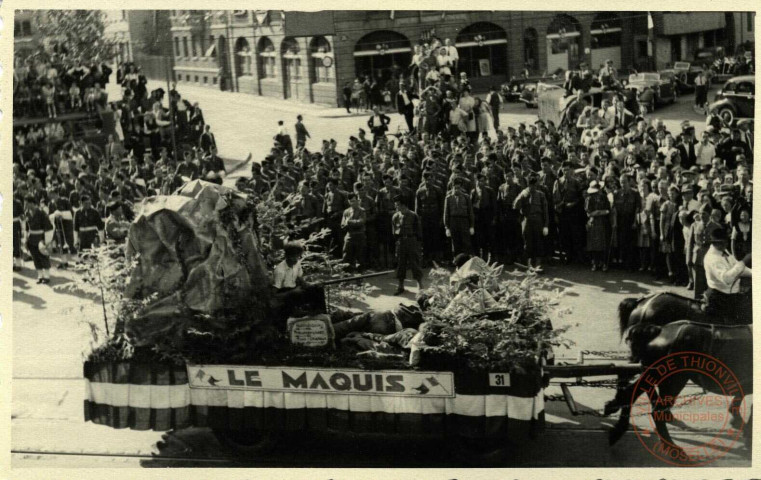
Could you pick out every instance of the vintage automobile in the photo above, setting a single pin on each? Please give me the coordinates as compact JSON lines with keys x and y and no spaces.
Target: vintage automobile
{"x":735,"y":99}
{"x":686,"y":73}
{"x":512,"y":90}
{"x":662,"y":87}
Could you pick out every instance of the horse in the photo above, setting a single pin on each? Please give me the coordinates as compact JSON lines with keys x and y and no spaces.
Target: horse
{"x":732,"y":344}
{"x":664,"y":307}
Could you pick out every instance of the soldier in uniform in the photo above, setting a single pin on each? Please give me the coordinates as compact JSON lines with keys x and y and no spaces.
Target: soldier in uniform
{"x":406,"y":227}
{"x":332,"y":210}
{"x":353,"y":223}
{"x":88,"y":226}
{"x":569,"y":205}
{"x":532,"y":205}
{"x":384,"y":203}
{"x":483,"y":200}
{"x":428,"y":209}
{"x":40,"y":233}
{"x":367,"y":203}
{"x":459,"y":219}
{"x":508,"y":224}
{"x":62,"y":216}
{"x":18,"y":233}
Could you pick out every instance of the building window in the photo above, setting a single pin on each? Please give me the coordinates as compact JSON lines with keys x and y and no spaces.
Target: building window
{"x":266,"y":58}
{"x":195,"y":78}
{"x":176,"y":47}
{"x":482,"y":48}
{"x":26,"y":28}
{"x":606,"y":31}
{"x":185,"y":47}
{"x":211,"y":43}
{"x":322,"y":69}
{"x":205,"y":80}
{"x":242,"y":58}
{"x":124,"y":14}
{"x":214,"y":80}
{"x":749,"y":21}
{"x":194,"y":45}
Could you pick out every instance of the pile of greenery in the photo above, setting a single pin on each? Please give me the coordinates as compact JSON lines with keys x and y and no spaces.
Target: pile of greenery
{"x":497,"y":325}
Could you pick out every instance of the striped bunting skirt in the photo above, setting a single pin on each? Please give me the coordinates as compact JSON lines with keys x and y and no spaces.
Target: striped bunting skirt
{"x":158,"y":397}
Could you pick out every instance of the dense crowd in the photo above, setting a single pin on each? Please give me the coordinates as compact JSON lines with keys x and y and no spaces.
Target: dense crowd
{"x":605,"y":188}
{"x":72,"y":191}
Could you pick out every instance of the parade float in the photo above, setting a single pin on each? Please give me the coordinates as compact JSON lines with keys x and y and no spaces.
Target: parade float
{"x":192,"y":335}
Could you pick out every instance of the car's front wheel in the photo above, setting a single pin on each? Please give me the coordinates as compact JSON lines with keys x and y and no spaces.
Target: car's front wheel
{"x":728,"y":115}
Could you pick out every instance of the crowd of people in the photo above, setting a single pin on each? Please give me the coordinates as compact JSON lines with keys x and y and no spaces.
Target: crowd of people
{"x":72,"y":191}
{"x":604,"y":188}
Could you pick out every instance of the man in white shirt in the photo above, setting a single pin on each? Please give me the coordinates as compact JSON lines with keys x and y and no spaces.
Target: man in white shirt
{"x":723,"y":273}
{"x":452,"y":54}
{"x":705,"y":151}
{"x":292,"y":292}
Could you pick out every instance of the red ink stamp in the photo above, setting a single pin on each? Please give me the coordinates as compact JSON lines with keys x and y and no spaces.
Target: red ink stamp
{"x":713,"y":414}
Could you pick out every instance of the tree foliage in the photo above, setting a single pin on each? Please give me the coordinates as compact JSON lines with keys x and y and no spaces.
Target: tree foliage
{"x":82,"y":32}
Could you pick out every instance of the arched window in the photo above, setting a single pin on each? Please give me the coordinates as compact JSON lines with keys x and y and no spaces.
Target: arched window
{"x":176,"y":47}
{"x":194,"y":45}
{"x":185,"y":46}
{"x":291,"y":59}
{"x":382,"y":54}
{"x":530,"y":48}
{"x":322,"y":60}
{"x":482,"y":50}
{"x":242,"y":57}
{"x":267,"y":54}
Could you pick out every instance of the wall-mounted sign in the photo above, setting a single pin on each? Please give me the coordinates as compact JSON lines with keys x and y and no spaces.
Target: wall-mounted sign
{"x":327,"y":61}
{"x":484,"y":65}
{"x":587,"y":50}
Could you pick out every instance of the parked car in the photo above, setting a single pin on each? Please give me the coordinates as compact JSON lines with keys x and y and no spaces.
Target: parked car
{"x":513,"y":89}
{"x":686,"y":72}
{"x":735,"y":99}
{"x":662,"y":86}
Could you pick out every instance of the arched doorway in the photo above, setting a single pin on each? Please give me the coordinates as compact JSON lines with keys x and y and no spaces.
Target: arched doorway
{"x":225,"y":77}
{"x":382,"y":55}
{"x":291,"y":67}
{"x":482,"y":49}
{"x":320,"y":69}
{"x":530,"y":49}
{"x":242,"y":58}
{"x":563,"y":44}
{"x":605,"y":41}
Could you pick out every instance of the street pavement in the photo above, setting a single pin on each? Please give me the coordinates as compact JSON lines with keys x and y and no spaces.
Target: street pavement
{"x":51,"y":334}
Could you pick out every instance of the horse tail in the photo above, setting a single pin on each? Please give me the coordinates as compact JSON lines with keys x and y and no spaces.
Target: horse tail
{"x":625,"y":309}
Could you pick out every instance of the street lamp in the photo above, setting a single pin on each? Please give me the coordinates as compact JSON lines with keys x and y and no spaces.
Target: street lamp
{"x":381,"y":48}
{"x":480,"y":40}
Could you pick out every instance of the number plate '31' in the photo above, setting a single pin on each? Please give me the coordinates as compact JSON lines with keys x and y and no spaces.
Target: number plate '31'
{"x":499,"y":379}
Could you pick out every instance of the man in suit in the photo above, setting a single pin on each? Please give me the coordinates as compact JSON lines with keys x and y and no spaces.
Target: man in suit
{"x":404,"y":105}
{"x":207,"y":139}
{"x":687,"y":148}
{"x":378,"y":124}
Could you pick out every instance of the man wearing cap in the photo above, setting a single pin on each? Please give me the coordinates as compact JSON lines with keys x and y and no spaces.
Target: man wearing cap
{"x":407,"y":231}
{"x":483,"y":199}
{"x":88,"y":226}
{"x":509,"y":242}
{"x":332,"y":210}
{"x":459,"y":218}
{"x":568,"y":201}
{"x":353,"y":224}
{"x":384,"y":203}
{"x":62,"y":216}
{"x":532,"y":205}
{"x":428,"y":209}
{"x":687,"y":147}
{"x":39,"y":237}
{"x":723,"y":272}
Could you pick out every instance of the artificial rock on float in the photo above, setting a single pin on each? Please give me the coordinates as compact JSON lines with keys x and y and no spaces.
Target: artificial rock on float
{"x":188,"y":259}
